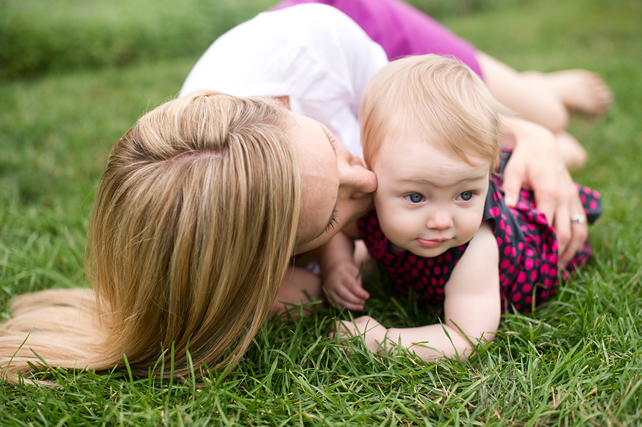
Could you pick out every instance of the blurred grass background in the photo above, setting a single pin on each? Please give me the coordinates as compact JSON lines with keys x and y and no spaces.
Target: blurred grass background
{"x":44,"y":36}
{"x":74,"y":76}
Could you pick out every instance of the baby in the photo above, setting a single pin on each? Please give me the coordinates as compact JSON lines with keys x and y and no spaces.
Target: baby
{"x":439,"y":223}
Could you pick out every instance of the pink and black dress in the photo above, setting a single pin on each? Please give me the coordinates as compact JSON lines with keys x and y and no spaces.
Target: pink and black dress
{"x":528,"y":258}
{"x":400,"y":29}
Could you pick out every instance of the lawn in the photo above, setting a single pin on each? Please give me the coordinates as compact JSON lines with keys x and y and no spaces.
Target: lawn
{"x":577,"y":360}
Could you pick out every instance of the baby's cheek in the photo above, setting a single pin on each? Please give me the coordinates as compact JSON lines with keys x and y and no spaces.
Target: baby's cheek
{"x":470,"y":226}
{"x":397,"y":228}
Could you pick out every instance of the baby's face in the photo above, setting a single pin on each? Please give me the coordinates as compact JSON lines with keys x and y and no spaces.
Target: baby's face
{"x":427,"y":201}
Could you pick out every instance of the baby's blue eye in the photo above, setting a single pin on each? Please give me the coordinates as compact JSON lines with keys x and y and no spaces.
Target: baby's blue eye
{"x":414,"y":198}
{"x":466,"y":195}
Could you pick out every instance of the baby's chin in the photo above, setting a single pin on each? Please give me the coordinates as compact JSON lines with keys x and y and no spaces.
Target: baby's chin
{"x":418,"y":249}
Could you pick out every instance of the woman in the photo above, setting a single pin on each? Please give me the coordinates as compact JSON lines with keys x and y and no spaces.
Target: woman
{"x":200,"y":209}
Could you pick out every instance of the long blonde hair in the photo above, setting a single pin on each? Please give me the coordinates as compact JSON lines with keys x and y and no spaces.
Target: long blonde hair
{"x":191,"y":232}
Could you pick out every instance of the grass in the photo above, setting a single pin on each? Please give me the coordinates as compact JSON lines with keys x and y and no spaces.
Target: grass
{"x":42,"y":36}
{"x":576,"y":361}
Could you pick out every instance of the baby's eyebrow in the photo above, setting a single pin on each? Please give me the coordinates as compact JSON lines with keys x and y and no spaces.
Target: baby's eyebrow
{"x":470,"y":179}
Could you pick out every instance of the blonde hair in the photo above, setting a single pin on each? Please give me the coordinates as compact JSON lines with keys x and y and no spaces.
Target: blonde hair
{"x":436,"y":97}
{"x":191,"y":233}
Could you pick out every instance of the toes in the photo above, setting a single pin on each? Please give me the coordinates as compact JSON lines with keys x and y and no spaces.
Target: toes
{"x":583,"y":91}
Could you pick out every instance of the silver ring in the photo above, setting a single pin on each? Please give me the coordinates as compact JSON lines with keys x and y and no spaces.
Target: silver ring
{"x":578,"y":218}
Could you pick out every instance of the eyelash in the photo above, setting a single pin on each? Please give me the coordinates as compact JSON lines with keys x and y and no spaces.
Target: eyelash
{"x":335,"y":214}
{"x":472,"y":194}
{"x":331,"y":138}
{"x":333,"y":221}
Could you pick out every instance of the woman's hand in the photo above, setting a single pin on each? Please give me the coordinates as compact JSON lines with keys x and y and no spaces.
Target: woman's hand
{"x":299,"y":286}
{"x":536,"y":164}
{"x":570,"y":235}
{"x":342,"y":286}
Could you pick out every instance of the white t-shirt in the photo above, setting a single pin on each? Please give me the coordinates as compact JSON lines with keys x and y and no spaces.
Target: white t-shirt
{"x":313,"y":53}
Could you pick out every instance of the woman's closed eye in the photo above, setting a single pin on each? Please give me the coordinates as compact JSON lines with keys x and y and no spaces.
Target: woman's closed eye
{"x":414,"y":198}
{"x":466,"y":196}
{"x":333,"y":221}
{"x":331,"y":138}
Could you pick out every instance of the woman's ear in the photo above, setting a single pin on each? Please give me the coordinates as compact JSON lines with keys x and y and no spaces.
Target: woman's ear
{"x":285,"y":100}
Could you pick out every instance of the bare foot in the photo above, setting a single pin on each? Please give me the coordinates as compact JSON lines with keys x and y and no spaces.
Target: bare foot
{"x":572,"y":152}
{"x":580,"y":90}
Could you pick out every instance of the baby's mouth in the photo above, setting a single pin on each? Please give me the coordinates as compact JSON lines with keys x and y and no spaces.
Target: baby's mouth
{"x":431,"y":243}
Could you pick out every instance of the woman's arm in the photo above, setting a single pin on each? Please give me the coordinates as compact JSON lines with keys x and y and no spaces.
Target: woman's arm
{"x":299,"y":286}
{"x":471,"y":309}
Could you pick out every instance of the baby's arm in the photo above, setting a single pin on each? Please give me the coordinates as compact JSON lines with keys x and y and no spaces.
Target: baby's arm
{"x":472,"y":308}
{"x":341,"y":278}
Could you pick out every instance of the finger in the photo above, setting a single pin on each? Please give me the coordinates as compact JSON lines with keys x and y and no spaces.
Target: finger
{"x":347,"y":295}
{"x":338,"y":327}
{"x":562,"y":227}
{"x":571,"y":235}
{"x":514,"y":175}
{"x":357,"y":289}
{"x":333,"y":298}
{"x":349,"y":330}
{"x":340,"y":330}
{"x":363,"y":323}
{"x":546,"y":199}
{"x":579,"y":234}
{"x":354,"y":307}
{"x":342,"y":298}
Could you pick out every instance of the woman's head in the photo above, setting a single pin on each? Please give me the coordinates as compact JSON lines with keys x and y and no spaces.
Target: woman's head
{"x":193,"y":226}
{"x":336,"y":185}
{"x":201,"y":207}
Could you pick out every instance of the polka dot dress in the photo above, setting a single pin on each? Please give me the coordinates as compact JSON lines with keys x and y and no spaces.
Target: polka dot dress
{"x":528,"y":258}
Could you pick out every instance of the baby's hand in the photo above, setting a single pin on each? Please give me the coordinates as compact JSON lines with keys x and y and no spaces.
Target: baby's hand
{"x":342,"y":285}
{"x":373,"y":332}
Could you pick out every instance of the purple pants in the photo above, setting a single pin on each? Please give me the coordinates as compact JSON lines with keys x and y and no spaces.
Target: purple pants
{"x":400,"y":29}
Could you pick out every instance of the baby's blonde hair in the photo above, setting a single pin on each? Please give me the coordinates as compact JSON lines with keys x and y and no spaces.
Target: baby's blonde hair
{"x":191,"y":233}
{"x":436,"y":97}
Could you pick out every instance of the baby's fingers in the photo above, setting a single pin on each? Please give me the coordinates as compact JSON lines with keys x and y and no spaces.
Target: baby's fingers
{"x":356,"y":288}
{"x":343,"y":298}
{"x":340,"y":330}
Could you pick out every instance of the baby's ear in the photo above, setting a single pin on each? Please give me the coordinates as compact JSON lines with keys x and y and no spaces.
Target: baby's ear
{"x":285,"y":100}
